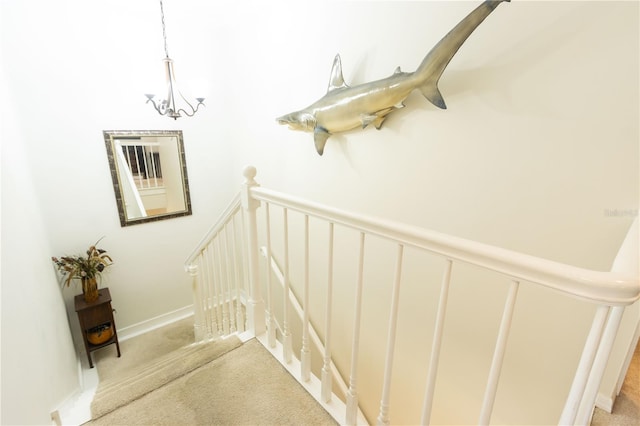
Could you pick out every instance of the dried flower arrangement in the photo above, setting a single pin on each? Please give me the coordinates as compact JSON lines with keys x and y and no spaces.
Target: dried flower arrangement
{"x":85,"y":268}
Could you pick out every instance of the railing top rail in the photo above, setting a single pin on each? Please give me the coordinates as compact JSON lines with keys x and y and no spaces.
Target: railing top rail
{"x":596,"y":286}
{"x":233,"y":206}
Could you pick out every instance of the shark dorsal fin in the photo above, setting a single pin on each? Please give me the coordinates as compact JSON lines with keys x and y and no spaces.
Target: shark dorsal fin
{"x":336,"y":81}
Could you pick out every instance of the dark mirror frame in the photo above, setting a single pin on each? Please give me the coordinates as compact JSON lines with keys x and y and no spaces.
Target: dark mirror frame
{"x":109,"y":137}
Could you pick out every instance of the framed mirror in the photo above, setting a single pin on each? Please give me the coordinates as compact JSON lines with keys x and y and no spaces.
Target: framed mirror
{"x":149,"y":173}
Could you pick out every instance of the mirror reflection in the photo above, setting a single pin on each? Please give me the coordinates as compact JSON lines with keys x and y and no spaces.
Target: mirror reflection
{"x":149,"y":174}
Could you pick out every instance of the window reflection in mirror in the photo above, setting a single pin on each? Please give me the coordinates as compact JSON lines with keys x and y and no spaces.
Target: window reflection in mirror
{"x":149,"y":174}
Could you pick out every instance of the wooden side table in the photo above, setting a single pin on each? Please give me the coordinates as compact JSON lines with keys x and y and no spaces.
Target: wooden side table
{"x":94,"y":314}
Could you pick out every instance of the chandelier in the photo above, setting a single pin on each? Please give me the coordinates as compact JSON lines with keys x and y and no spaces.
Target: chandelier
{"x":170,"y":105}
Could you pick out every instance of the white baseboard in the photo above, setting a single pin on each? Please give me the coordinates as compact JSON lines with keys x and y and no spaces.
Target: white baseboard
{"x":77,"y":409}
{"x":153,"y":323}
{"x":604,"y":402}
{"x":627,"y":361}
{"x":335,"y":407}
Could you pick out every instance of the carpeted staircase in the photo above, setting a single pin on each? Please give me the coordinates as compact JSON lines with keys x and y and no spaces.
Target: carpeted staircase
{"x":157,"y":381}
{"x":163,"y":378}
{"x":121,"y":390}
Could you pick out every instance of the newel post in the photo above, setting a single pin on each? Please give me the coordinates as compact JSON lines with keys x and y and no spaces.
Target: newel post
{"x":255,"y":307}
{"x":198,"y":314}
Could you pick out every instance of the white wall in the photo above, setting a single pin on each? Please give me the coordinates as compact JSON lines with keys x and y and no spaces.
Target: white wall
{"x":73,"y":80}
{"x":39,"y":366}
{"x":540,"y":138}
{"x":540,"y":131}
{"x":75,"y":69}
{"x":539,"y":141}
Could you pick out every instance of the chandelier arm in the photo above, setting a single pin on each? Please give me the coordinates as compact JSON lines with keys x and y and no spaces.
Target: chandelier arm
{"x":157,"y":108}
{"x":193,"y":110}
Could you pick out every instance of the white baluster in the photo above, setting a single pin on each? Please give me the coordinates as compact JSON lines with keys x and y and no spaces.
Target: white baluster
{"x":125,"y":149}
{"x":202,"y":271}
{"x":135,"y":151}
{"x":352,"y":394}
{"x":220,"y":288}
{"x":244,"y":263}
{"x":146,"y":166}
{"x":436,"y":344}
{"x":216,"y":309}
{"x":327,"y":380}
{"x":272,"y":322}
{"x":286,"y":334}
{"x":255,"y":304}
{"x":584,"y":367}
{"x":383,"y":416}
{"x":206,"y":293}
{"x":236,"y":270}
{"x":228,"y":256}
{"x":498,"y":355}
{"x":211,"y":306}
{"x":585,"y":411}
{"x":154,"y":171}
{"x":305,"y":353}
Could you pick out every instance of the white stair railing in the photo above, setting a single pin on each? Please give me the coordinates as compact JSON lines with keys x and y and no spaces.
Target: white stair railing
{"x":217,"y":267}
{"x":610,"y":291}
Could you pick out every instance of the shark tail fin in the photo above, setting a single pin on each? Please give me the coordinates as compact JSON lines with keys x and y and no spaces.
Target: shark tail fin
{"x":432,"y":93}
{"x":434,"y":64}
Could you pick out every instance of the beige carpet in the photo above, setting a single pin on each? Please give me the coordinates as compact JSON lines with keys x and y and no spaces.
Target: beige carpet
{"x":117,"y":392}
{"x":143,"y":349}
{"x":626,"y":409}
{"x":243,"y":385}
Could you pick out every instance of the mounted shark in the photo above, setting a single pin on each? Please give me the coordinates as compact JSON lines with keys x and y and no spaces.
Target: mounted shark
{"x":344,"y":108}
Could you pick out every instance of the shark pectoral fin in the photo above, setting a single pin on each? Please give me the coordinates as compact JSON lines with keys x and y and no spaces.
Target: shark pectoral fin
{"x":367,"y":119}
{"x":430,"y":91}
{"x":320,"y":137}
{"x":378,"y":118}
{"x":379,"y":121}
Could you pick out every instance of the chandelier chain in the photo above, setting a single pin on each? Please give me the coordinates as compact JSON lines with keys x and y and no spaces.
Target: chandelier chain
{"x":164,"y":30}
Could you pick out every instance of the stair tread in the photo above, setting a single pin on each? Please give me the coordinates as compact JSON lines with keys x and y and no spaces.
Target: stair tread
{"x":159,"y":362}
{"x":166,"y":368}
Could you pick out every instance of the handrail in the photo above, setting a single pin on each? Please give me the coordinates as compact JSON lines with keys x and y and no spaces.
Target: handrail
{"x":608,"y":288}
{"x":611,"y":291}
{"x":232,"y":208}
